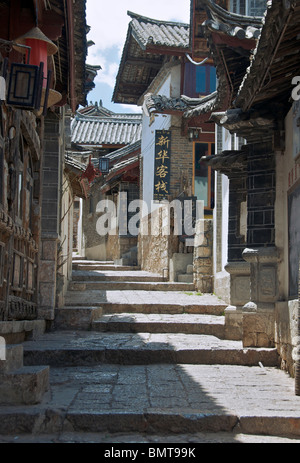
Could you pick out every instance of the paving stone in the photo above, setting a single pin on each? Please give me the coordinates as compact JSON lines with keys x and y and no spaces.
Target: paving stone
{"x":120,"y":383}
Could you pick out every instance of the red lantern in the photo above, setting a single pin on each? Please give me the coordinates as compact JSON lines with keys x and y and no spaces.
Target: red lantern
{"x":40,"y":48}
{"x":38,"y":54}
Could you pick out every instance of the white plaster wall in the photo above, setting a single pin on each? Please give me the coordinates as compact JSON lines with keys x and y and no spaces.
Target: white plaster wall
{"x":286,"y":310}
{"x":222,"y":278}
{"x":284,"y":165}
{"x":79,"y":232}
{"x":169,"y":88}
{"x":225,"y":217}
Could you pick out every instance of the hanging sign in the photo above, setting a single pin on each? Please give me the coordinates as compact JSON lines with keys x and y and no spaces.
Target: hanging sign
{"x":162,"y":164}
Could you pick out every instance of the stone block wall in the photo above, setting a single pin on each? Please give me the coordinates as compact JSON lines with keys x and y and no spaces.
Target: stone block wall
{"x":181,"y":163}
{"x":203,"y":256}
{"x":50,"y":221}
{"x":155,"y":245}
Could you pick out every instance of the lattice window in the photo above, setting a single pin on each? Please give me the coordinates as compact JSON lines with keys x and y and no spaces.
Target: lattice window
{"x":248,"y":7}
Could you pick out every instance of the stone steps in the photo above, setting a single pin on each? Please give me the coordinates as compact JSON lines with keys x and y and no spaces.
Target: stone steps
{"x":116,"y":276}
{"x":145,"y":361}
{"x":152,"y":323}
{"x":133,"y":301}
{"x":146,"y":308}
{"x":186,"y":278}
{"x":19,"y":384}
{"x":69,"y":349}
{"x":90,"y":266}
{"x":130,"y":285}
{"x":164,"y":399}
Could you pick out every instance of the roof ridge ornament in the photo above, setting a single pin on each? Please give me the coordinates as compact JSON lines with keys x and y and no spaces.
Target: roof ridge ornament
{"x":195,"y":62}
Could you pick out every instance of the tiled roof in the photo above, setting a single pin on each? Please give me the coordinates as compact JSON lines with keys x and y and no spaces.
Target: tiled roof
{"x":96,"y":110}
{"x":275,"y":59}
{"x":188,"y":107}
{"x":162,"y":33}
{"x":232,"y":24}
{"x":147,"y":43}
{"x":72,"y":162}
{"x":122,"y":152}
{"x":119,"y":129}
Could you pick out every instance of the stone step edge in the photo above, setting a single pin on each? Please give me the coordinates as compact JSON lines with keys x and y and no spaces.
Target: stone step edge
{"x":24,"y":386}
{"x":176,"y":284}
{"x":172,"y":309}
{"x":118,"y":278}
{"x":47,"y":421}
{"x":117,"y":268}
{"x":64,"y":357}
{"x":215,"y":327}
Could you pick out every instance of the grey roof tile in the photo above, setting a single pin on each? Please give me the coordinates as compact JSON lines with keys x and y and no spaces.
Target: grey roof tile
{"x":165,"y":33}
{"x":119,"y":129}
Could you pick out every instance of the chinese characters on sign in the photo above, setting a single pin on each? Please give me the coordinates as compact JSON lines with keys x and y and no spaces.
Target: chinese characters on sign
{"x":162,"y":164}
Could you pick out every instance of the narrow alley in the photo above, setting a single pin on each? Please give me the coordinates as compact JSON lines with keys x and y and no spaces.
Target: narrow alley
{"x":149,"y":364}
{"x":149,"y":244}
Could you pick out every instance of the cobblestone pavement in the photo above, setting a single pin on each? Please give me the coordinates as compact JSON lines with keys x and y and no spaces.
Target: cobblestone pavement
{"x":154,"y":387}
{"x":135,"y":438}
{"x":173,"y":298}
{"x":117,"y":400}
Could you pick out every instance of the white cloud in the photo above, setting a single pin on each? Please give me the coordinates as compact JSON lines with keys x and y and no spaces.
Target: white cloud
{"x":109,"y":69}
{"x":109,"y":21}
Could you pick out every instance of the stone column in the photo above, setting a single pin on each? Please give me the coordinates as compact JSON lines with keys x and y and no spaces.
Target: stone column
{"x":259,"y":312}
{"x":261,"y":253}
{"x":203,"y":262}
{"x":51,"y":205}
{"x":239,"y":296}
{"x":238,"y":269}
{"x":234,"y":164}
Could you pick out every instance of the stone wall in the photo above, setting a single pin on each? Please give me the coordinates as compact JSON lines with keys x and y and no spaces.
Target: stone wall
{"x":51,"y":211}
{"x":94,"y":244}
{"x":156,"y":245}
{"x":286,"y":333}
{"x":203,"y":257}
{"x":181,"y":162}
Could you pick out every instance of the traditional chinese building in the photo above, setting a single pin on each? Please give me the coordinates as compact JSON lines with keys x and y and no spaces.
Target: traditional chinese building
{"x":112,"y":142}
{"x":263,"y":225}
{"x":42,"y":71}
{"x":172,"y":78}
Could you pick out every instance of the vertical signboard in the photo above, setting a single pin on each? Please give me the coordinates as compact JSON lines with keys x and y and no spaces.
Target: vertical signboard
{"x":162,"y":164}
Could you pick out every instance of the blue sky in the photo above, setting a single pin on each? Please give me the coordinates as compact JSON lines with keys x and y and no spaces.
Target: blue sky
{"x":109,"y":23}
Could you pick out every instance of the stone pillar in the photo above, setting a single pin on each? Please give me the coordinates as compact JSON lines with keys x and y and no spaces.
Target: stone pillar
{"x":203,"y":261}
{"x":51,"y":211}
{"x":239,"y":296}
{"x":261,"y":253}
{"x":259,"y":312}
{"x":238,"y":269}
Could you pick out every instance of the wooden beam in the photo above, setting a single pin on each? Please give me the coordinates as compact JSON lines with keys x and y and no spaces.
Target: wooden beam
{"x":38,"y":10}
{"x":143,"y":63}
{"x":174,"y":51}
{"x":70,"y":33}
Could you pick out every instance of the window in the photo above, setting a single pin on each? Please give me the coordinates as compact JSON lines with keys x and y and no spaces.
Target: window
{"x":20,"y":195}
{"x":205,"y":80}
{"x":248,"y":7}
{"x":203,"y":175}
{"x":199,"y":80}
